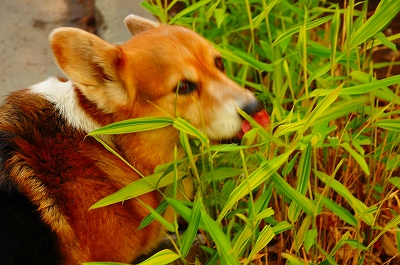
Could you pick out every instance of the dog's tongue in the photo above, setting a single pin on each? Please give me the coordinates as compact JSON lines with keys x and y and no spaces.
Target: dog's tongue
{"x":260,"y":117}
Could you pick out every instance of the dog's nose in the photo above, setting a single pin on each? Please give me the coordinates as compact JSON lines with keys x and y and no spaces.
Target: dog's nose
{"x":253,"y":107}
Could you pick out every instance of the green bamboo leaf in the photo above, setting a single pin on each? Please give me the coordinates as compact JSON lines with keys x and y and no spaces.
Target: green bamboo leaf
{"x":169,"y":226}
{"x":341,"y":109}
{"x":305,"y":203}
{"x":139,"y":187}
{"x":395,"y":181}
{"x":184,"y":211}
{"x":382,"y":38}
{"x":190,"y":9}
{"x":220,"y":239}
{"x":104,"y":263}
{"x":264,"y":214}
{"x":292,"y":259}
{"x":355,"y":244}
{"x":324,"y":69}
{"x":340,"y":243}
{"x":211,"y":9}
{"x":301,"y":233}
{"x":390,"y":125}
{"x":360,"y":89}
{"x":265,"y":236}
{"x":318,"y":115}
{"x":341,"y":212}
{"x":149,"y":218}
{"x":219,"y":15}
{"x":359,"y":207}
{"x":310,"y":239}
{"x":232,"y":147}
{"x":261,"y":203}
{"x":289,"y":128}
{"x":134,"y":125}
{"x":329,"y":259}
{"x":222,"y":173}
{"x":254,"y":180}
{"x":309,"y":25}
{"x":375,"y":23}
{"x":384,"y":93}
{"x":359,"y":158}
{"x":191,"y":231}
{"x":253,"y":62}
{"x":230,"y":56}
{"x":390,"y":225}
{"x":188,"y":128}
{"x":282,"y":227}
{"x":242,"y":240}
{"x":320,"y":108}
{"x":303,"y":180}
{"x":165,"y":256}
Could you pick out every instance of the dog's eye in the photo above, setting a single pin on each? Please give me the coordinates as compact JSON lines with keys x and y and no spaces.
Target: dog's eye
{"x":185,"y":87}
{"x":219,"y":63}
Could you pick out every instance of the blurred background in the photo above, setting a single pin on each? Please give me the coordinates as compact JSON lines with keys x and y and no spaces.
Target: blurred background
{"x":25,"y":54}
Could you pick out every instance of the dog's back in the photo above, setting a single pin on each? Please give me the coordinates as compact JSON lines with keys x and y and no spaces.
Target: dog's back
{"x":50,"y":176}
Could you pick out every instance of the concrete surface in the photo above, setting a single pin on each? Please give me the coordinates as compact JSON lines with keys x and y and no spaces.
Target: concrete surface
{"x":110,"y":17}
{"x":25,"y":54}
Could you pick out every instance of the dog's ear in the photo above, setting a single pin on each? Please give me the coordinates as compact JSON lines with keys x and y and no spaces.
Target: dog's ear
{"x":137,"y":24}
{"x":91,"y":64}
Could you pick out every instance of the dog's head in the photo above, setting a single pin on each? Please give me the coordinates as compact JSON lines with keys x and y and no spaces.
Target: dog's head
{"x":170,"y":67}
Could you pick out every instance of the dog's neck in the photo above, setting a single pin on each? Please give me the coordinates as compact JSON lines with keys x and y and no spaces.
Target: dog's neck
{"x":146,"y":150}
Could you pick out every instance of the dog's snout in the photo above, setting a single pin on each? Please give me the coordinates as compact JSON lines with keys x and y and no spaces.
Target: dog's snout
{"x":253,"y":107}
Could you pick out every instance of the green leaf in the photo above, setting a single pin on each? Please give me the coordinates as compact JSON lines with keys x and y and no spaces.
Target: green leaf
{"x":395,"y":181}
{"x":165,"y":256}
{"x":219,"y":15}
{"x":137,"y":188}
{"x":149,"y":218}
{"x":301,"y":233}
{"x":309,"y":25}
{"x":253,"y":62}
{"x":282,"y":227}
{"x":169,"y":226}
{"x":103,"y":263}
{"x":190,"y":9}
{"x":220,"y":239}
{"x":359,"y":158}
{"x":375,"y":23}
{"x":390,"y":125}
{"x":305,"y":203}
{"x":360,"y":89}
{"x":188,"y":128}
{"x":265,"y":236}
{"x":303,"y":180}
{"x":134,"y":125}
{"x":310,"y":239}
{"x":320,"y":108}
{"x":192,"y":228}
{"x":254,"y":180}
{"x":359,"y":207}
{"x":341,"y":212}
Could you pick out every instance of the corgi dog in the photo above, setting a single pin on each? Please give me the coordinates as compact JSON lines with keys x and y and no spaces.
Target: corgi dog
{"x":51,"y":174}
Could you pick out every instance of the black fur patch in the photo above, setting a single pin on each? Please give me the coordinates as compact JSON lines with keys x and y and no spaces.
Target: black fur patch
{"x":19,"y":220}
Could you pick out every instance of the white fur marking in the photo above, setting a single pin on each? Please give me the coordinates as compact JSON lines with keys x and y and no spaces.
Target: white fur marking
{"x":63,"y":96}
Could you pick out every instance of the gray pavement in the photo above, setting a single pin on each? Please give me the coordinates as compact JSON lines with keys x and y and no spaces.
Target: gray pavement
{"x":25,"y":54}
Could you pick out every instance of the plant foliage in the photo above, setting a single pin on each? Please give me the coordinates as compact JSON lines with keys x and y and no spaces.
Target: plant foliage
{"x":320,"y":185}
